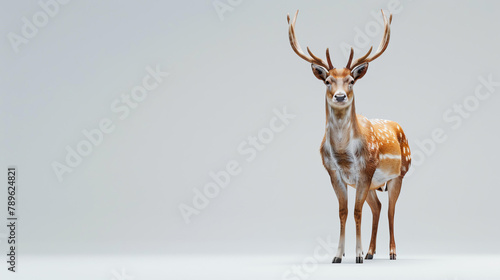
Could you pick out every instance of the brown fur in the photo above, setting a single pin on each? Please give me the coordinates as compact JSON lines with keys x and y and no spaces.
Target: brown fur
{"x":383,"y":146}
{"x":356,"y":151}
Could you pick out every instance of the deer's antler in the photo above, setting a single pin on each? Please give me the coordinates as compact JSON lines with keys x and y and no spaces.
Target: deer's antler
{"x":298,"y":50}
{"x":381,"y":48}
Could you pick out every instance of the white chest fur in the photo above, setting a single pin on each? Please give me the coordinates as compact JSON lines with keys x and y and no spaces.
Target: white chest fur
{"x":348,"y":161}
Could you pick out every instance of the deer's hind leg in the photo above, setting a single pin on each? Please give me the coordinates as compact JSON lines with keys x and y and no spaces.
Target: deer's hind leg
{"x":393,"y":187}
{"x":375,"y":206}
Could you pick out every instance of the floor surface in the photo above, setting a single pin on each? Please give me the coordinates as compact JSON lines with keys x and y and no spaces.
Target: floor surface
{"x":453,"y":267}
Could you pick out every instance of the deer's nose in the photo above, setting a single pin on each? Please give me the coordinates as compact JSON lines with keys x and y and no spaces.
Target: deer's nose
{"x":340,"y":96}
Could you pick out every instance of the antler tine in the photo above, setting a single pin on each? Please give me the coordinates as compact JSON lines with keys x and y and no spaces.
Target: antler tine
{"x":382,"y":46}
{"x":296,"y":47}
{"x":330,"y":65}
{"x":317,"y":59}
{"x":348,"y":65}
{"x":385,"y":41}
{"x":361,"y":59}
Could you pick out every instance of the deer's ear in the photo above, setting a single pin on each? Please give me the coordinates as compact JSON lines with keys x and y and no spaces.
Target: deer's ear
{"x":319,"y":71}
{"x":359,"y":71}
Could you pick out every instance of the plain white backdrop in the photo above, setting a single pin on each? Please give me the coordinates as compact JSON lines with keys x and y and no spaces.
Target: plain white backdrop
{"x":228,"y":72}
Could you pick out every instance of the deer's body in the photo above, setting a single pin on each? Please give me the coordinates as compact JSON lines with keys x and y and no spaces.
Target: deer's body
{"x":368,"y":155}
{"x":358,"y":144}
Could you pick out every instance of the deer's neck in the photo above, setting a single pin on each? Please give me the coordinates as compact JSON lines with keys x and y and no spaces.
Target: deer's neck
{"x":341,"y":126}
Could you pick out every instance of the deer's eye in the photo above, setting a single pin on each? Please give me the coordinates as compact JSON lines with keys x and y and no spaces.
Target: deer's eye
{"x":351,"y":82}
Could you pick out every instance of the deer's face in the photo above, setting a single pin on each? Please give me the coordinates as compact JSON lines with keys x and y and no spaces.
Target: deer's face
{"x":339,"y":83}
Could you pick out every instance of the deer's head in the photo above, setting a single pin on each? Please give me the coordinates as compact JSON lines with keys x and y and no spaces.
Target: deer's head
{"x":339,"y":81}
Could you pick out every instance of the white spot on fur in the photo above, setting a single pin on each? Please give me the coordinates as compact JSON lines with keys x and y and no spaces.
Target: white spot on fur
{"x":389,"y":156}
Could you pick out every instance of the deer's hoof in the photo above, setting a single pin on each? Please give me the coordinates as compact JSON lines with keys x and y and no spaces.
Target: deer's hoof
{"x":369,"y":256}
{"x":393,"y":256}
{"x":359,"y":259}
{"x":337,"y":260}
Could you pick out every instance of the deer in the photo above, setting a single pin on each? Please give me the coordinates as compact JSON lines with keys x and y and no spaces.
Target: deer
{"x":367,"y":154}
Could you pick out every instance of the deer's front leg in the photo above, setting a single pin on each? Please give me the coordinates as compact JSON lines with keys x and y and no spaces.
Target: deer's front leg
{"x":362,"y":189}
{"x":341,"y":191}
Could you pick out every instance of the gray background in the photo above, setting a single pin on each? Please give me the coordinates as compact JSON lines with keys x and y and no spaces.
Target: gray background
{"x":226,"y":77}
